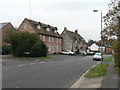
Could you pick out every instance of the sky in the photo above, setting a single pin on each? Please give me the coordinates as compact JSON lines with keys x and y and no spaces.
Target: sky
{"x":73,"y":14}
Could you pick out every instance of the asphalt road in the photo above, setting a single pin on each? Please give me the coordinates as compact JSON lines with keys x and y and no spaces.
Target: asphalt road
{"x":60,"y":72}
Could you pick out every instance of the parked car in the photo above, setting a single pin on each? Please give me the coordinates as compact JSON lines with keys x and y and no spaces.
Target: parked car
{"x":2,"y":52}
{"x":98,"y":56}
{"x":68,"y":52}
{"x":91,"y":53}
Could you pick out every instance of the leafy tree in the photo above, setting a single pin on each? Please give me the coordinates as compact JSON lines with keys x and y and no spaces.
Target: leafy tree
{"x":90,"y":42}
{"x":112,"y":21}
{"x":112,"y":29}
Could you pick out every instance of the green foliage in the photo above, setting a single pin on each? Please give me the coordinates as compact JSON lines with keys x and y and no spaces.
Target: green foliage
{"x":117,"y":56}
{"x":97,"y":71}
{"x":112,"y":20}
{"x":7,"y":49}
{"x":22,"y":42}
{"x":90,"y":42}
{"x":8,"y":35}
{"x":108,"y":59}
{"x":39,"y":49}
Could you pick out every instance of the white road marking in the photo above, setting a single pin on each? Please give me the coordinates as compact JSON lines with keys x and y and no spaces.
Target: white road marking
{"x":32,"y":63}
{"x":21,"y":65}
{"x":50,"y":61}
{"x":41,"y":62}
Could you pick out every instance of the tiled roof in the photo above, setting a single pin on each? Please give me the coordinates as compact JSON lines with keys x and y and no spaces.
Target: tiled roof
{"x":3,"y":24}
{"x":43,"y":28}
{"x":75,"y":36}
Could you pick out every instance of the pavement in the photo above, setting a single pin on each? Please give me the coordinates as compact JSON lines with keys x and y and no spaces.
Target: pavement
{"x":109,"y":80}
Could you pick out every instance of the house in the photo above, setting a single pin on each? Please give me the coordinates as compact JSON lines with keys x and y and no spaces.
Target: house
{"x":94,"y":47}
{"x":47,"y":33}
{"x":106,"y":45}
{"x":73,"y":41}
{"x":4,"y":27}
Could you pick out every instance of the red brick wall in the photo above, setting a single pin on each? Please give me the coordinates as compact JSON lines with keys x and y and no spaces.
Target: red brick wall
{"x":55,"y":47}
{"x":26,"y":27}
{"x":108,"y":50}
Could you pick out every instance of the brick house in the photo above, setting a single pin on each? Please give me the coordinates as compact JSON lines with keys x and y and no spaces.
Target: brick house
{"x":47,"y":33}
{"x":73,"y":41}
{"x":4,"y":27}
{"x":106,"y":45}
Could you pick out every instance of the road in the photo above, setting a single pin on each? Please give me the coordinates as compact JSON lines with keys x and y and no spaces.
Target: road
{"x":59,"y":72}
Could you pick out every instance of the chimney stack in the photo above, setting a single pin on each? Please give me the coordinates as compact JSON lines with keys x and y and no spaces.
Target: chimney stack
{"x":76,"y":31}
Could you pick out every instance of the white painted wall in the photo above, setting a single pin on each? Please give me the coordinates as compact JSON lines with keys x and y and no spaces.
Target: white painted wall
{"x":94,"y":47}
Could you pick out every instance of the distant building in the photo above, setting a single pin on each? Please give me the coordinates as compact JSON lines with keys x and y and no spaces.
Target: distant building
{"x":94,"y":47}
{"x":4,"y":27}
{"x":98,"y":48}
{"x":47,"y":33}
{"x":73,"y":41}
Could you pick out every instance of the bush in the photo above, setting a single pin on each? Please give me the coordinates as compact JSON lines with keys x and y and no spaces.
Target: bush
{"x":7,"y":49}
{"x":22,"y":42}
{"x":39,"y":49}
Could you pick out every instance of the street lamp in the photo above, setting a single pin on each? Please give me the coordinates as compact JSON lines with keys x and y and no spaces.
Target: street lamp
{"x":100,"y":34}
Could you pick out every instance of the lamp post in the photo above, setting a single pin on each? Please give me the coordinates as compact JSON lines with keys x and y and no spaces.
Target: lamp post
{"x":100,"y":34}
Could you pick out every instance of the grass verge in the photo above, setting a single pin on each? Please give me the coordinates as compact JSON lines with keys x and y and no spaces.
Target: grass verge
{"x":97,"y":71}
{"x":108,"y":59}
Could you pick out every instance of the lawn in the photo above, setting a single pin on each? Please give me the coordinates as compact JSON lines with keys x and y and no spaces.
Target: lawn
{"x":97,"y":71}
{"x":108,"y":59}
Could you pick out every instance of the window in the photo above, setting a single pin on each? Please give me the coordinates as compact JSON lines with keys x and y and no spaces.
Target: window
{"x":55,"y":31}
{"x":49,"y":48}
{"x":38,"y":27}
{"x":52,"y":39}
{"x":56,"y":48}
{"x":60,"y":40}
{"x":57,"y":40}
{"x":40,"y":36}
{"x":43,"y":38}
{"x":49,"y":39}
{"x":48,"y":29}
{"x":52,"y":48}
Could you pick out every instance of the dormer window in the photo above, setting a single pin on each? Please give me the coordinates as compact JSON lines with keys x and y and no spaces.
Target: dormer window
{"x":55,"y":31}
{"x":38,"y":27}
{"x":48,"y":29}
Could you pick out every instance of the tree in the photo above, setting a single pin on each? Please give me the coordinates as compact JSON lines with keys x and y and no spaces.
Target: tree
{"x":112,"y":29}
{"x":90,"y":42}
{"x":112,"y":21}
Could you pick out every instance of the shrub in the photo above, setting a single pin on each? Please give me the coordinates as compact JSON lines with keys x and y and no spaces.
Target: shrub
{"x":39,"y":49}
{"x":22,"y":42}
{"x":7,"y":49}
